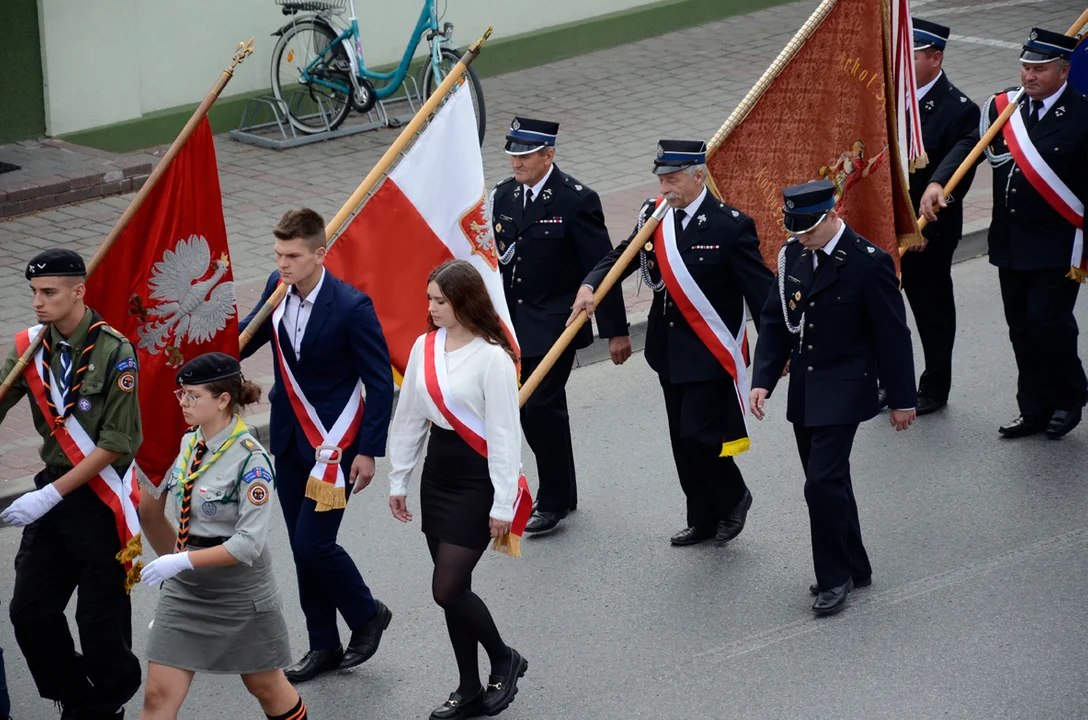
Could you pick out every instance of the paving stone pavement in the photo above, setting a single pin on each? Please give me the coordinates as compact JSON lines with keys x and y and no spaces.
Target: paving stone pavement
{"x":613,"y":106}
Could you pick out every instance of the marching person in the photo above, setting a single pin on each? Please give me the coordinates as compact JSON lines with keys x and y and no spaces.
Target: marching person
{"x":219,"y":610}
{"x":550,"y":234}
{"x":328,"y":346}
{"x":5,"y":701}
{"x":949,"y":119}
{"x":80,"y":528}
{"x":460,"y":396}
{"x":703,"y":266}
{"x":1036,"y":238}
{"x":836,"y":317}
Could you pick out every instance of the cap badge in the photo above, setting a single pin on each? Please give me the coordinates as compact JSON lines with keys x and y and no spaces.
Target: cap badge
{"x":789,"y":204}
{"x":660,"y":152}
{"x":515,"y":125}
{"x":1034,"y":35}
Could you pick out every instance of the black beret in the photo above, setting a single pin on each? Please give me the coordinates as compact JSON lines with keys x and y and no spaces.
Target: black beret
{"x":57,"y":262}
{"x":208,"y":368}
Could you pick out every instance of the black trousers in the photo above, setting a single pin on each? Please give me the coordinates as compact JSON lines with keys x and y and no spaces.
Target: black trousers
{"x":546,"y":424}
{"x":927,"y":281}
{"x":74,"y":546}
{"x":5,"y":701}
{"x":1039,"y":312}
{"x":837,"y":550}
{"x":700,"y":417}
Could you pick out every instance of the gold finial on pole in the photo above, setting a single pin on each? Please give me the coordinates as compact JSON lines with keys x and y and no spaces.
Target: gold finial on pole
{"x":245,"y":49}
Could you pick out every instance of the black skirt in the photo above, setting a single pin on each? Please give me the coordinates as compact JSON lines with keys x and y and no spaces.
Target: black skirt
{"x":456,"y":492}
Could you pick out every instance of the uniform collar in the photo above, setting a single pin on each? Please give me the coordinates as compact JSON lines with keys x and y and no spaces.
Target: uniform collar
{"x":76,"y":339}
{"x":1052,"y":100}
{"x":830,"y":247}
{"x":216,"y":441}
{"x":693,"y":208}
{"x":540,"y":185}
{"x":929,"y":85}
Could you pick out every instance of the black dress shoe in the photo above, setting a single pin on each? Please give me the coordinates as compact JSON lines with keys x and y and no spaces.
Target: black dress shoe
{"x":365,"y":640}
{"x":730,"y":527}
{"x":832,"y":601}
{"x":313,"y":664}
{"x":1022,"y":427}
{"x":928,"y":405}
{"x":457,"y":707}
{"x":692,"y":536}
{"x":501,"y":689}
{"x":881,"y":398}
{"x":542,"y":521}
{"x":1061,"y":422}
{"x":858,"y":583}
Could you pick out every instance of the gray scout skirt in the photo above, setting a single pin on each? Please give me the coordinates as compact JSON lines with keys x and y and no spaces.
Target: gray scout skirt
{"x":221,"y":620}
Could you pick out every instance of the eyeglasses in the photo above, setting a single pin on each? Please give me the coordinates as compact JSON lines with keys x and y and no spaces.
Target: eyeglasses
{"x":187,"y":398}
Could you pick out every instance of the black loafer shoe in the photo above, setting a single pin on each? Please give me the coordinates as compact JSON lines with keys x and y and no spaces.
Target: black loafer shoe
{"x":501,"y":689}
{"x":692,"y":536}
{"x":1022,"y":427}
{"x":364,"y":641}
{"x":457,"y":707}
{"x":731,"y":526}
{"x":542,"y":521}
{"x":858,"y":583}
{"x":313,"y":664}
{"x":1061,"y":422}
{"x":832,"y":601}
{"x":928,"y":405}
{"x":881,"y":398}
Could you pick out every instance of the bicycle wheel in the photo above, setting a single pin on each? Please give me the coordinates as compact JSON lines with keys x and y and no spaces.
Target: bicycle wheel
{"x":450,"y":58}
{"x":312,"y":108}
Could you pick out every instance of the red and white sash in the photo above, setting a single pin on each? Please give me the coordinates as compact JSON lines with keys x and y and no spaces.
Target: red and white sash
{"x":471,"y":428}
{"x":327,"y":485}
{"x":1045,"y":181}
{"x":729,"y":349}
{"x":121,"y":493}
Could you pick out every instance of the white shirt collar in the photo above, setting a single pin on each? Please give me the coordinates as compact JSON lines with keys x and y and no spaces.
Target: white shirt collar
{"x":929,"y":85}
{"x":830,"y":247}
{"x":1050,"y":101}
{"x":312,"y":296}
{"x":690,"y":210}
{"x":540,"y":185}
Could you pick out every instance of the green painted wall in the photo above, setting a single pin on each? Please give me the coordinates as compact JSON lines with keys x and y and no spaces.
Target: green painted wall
{"x":22,"y":98}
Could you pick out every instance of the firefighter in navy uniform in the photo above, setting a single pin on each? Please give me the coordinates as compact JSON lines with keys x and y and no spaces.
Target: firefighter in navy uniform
{"x":720,"y":254}
{"x":550,"y":233}
{"x":949,"y":118}
{"x":836,"y":316}
{"x":1037,"y":240}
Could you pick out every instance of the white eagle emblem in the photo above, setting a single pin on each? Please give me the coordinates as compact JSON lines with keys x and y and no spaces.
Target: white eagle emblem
{"x":191,"y":307}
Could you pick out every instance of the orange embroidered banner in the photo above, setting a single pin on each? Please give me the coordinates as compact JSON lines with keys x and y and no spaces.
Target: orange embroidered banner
{"x":829,"y":112}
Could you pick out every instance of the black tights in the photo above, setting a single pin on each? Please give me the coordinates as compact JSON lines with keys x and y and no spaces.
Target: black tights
{"x":467,"y":618}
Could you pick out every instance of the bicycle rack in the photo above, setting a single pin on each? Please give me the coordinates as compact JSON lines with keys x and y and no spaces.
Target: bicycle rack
{"x":265,"y":123}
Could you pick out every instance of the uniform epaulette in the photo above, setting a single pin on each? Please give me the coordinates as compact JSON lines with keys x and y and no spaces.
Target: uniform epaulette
{"x":251,"y":445}
{"x":727,"y":209}
{"x":791,"y":239}
{"x":574,"y":185}
{"x":864,"y":247}
{"x":110,"y":330}
{"x":500,"y":183}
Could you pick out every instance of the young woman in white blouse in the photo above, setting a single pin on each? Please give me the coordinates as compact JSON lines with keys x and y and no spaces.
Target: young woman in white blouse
{"x":460,"y":395}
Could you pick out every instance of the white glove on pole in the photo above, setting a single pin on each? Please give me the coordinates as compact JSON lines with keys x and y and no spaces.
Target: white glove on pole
{"x":165,"y":567}
{"x":31,"y":506}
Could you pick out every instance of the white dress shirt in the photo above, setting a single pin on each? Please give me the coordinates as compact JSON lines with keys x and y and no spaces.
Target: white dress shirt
{"x":535,"y":188}
{"x":830,"y":246}
{"x":690,"y":210}
{"x":1049,"y":102}
{"x":929,"y":86}
{"x":297,"y":314}
{"x":482,"y":379}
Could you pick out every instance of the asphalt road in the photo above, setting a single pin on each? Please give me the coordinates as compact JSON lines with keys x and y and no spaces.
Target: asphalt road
{"x":977,"y":607}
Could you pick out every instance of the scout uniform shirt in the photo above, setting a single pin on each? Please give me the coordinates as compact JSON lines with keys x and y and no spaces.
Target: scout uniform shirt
{"x":106,"y":403}
{"x":231,"y":499}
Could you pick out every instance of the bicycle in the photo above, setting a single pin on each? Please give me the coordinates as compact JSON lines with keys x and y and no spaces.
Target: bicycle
{"x":318,"y":72}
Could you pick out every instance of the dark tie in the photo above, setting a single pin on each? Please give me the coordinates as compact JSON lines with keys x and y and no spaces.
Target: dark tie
{"x":679,"y":215}
{"x":821,"y":258}
{"x":65,"y":376}
{"x":528,"y":196}
{"x":187,"y":499}
{"x":1033,"y":115}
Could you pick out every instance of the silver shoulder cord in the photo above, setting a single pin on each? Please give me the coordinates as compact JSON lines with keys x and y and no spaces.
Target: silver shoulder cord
{"x":984,"y":125}
{"x":489,"y":210}
{"x":642,"y":260}
{"x":795,"y":329}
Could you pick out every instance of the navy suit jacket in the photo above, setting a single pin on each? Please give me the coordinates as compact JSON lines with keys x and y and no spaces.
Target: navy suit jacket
{"x":343,"y":344}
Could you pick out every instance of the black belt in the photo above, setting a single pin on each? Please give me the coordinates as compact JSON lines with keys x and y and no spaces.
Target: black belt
{"x":206,"y":542}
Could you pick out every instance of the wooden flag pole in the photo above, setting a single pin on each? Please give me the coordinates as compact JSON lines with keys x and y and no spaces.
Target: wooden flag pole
{"x":245,"y":49}
{"x":991,"y":133}
{"x":609,"y":281}
{"x":375,"y":175}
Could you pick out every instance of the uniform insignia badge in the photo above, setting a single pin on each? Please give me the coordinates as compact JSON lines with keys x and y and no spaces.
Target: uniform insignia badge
{"x":793,"y":305}
{"x":660,"y":152}
{"x":257,"y":473}
{"x":1059,"y":111}
{"x":648,"y":247}
{"x":208,"y":508}
{"x":127,"y":381}
{"x":250,"y":444}
{"x":578,"y":188}
{"x":1034,"y":35}
{"x":126,"y":364}
{"x":871,"y":250}
{"x":90,"y":368}
{"x":498,"y":227}
{"x":797,"y":295}
{"x":515,"y":125}
{"x":789,"y":204}
{"x":963,"y":99}
{"x":258,"y":493}
{"x":650,"y":264}
{"x":736,"y":214}
{"x":930,"y":104}
{"x":84,"y":404}
{"x":702,"y":220}
{"x":547,"y":194}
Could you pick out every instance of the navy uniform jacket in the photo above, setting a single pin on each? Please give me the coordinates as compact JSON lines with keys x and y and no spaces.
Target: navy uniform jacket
{"x":854,"y":321}
{"x":556,"y":241}
{"x":949,"y":130}
{"x":343,"y":344}
{"x":1026,"y":233}
{"x":721,"y":251}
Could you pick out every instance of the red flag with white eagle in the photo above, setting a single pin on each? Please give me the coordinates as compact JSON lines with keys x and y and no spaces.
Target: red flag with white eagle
{"x":433,"y":207}
{"x":167,"y":285}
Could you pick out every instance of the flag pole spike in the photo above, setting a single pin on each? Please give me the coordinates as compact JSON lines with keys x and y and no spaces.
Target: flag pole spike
{"x":377,"y":173}
{"x":244,"y":50}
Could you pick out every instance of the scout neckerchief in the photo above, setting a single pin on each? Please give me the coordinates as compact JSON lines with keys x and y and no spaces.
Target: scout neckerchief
{"x":58,"y":411}
{"x":327,"y":486}
{"x":472,"y":429}
{"x":1046,"y":182}
{"x":119,"y":492}
{"x":199,"y":467}
{"x":730,"y":350}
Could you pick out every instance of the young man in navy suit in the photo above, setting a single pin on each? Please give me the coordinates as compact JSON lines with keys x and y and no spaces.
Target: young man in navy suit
{"x":328,"y":347}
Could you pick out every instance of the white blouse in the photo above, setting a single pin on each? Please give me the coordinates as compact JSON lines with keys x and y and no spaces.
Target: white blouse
{"x":483,"y":379}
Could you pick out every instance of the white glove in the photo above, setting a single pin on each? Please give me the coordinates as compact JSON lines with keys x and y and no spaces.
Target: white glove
{"x":166,"y":567}
{"x":31,"y":506}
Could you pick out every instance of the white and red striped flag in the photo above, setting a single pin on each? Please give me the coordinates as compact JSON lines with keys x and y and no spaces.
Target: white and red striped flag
{"x":433,"y":207}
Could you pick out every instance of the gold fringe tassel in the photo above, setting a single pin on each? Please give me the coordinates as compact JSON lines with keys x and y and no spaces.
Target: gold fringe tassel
{"x":130,"y":553}
{"x":736,"y":447}
{"x":509,"y":544}
{"x":326,"y":495}
{"x":1077,"y":275}
{"x":133,"y":576}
